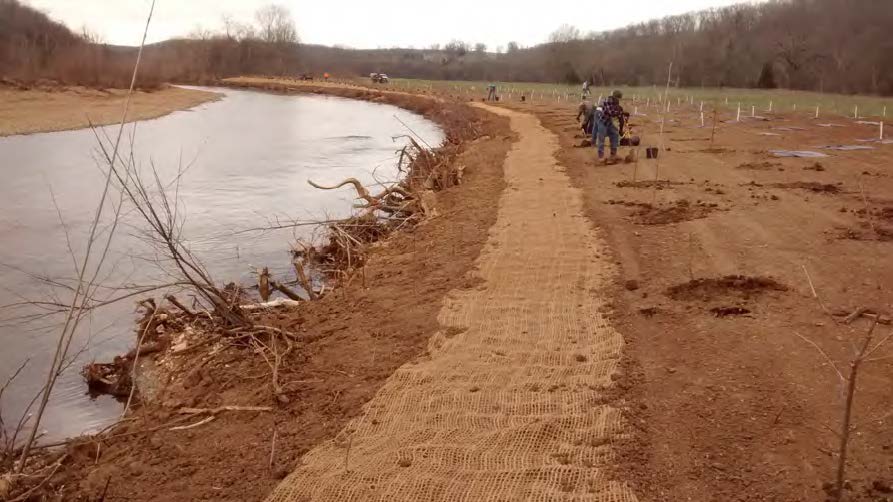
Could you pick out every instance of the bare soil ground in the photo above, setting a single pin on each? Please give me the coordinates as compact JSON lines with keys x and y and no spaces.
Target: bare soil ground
{"x":356,"y":339}
{"x":728,"y":403}
{"x":55,"y":108}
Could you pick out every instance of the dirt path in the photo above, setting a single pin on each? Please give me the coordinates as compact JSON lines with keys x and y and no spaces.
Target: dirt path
{"x":511,"y":401}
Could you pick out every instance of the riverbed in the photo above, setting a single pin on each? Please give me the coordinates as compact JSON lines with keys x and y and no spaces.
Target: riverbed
{"x":243,"y":163}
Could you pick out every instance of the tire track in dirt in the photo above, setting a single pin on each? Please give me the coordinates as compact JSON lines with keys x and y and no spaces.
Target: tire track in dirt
{"x":511,"y":401}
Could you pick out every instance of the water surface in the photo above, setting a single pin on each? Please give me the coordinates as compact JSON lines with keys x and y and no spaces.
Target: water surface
{"x":246,"y":160}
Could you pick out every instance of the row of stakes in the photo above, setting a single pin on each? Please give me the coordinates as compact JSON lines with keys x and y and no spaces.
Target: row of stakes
{"x":569,"y":96}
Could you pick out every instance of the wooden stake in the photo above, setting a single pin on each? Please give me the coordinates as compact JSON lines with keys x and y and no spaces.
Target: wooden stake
{"x":816,"y":111}
{"x":739,"y":113}
{"x":661,"y":136}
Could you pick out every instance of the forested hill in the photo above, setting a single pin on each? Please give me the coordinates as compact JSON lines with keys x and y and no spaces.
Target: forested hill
{"x":825,"y":45}
{"x":841,"y":46}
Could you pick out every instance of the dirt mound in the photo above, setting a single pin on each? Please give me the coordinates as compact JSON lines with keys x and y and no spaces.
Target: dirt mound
{"x":878,"y":233}
{"x":681,"y":210}
{"x":815,"y":167}
{"x":647,"y":184}
{"x":731,"y":285}
{"x":882,"y":213}
{"x":717,"y":149}
{"x":809,"y":185}
{"x":729,"y":311}
{"x":759,"y":166}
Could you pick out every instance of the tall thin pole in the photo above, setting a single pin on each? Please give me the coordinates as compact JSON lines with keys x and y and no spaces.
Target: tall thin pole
{"x":661,"y":136}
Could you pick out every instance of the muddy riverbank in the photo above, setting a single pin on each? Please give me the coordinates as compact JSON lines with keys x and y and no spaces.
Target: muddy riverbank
{"x":29,"y":110}
{"x":355,"y":339}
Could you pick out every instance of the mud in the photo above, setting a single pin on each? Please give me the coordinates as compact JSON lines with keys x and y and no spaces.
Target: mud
{"x":759,"y":166}
{"x":681,"y":210}
{"x":740,"y":286}
{"x":659,"y":184}
{"x":812,"y":186}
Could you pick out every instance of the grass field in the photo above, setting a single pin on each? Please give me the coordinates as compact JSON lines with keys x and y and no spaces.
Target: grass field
{"x":751,"y":100}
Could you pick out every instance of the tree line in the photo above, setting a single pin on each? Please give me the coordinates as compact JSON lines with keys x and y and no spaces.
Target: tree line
{"x":822,"y":45}
{"x":34,"y":47}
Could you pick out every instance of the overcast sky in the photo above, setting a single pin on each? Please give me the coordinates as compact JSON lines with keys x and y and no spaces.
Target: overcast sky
{"x":370,"y":23}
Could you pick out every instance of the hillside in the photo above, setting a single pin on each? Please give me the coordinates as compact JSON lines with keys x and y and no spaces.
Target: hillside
{"x":822,"y":45}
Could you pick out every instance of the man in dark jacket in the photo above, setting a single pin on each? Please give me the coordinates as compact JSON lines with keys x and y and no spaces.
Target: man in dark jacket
{"x":609,"y":122}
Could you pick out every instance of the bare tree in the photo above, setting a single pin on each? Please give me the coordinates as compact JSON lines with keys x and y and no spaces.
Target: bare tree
{"x":565,"y":33}
{"x":276,"y":25}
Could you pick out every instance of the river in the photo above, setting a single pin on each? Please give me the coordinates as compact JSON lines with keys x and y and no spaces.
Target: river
{"x":246,"y":160}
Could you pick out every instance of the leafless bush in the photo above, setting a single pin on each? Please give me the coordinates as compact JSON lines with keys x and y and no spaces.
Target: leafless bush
{"x":863,"y":351}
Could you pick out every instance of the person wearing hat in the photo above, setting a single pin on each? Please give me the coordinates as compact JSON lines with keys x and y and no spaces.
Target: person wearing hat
{"x":609,"y":123}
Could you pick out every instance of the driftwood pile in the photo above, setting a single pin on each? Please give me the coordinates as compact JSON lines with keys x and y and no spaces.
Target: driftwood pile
{"x":396,"y":206}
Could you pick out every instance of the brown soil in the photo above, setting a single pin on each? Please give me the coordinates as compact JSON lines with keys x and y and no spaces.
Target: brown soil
{"x":759,"y":166}
{"x":737,"y":407}
{"x":681,"y":210}
{"x":356,"y":338}
{"x":730,"y":285}
{"x":812,"y":186}
{"x":62,"y":108}
{"x":659,"y":184}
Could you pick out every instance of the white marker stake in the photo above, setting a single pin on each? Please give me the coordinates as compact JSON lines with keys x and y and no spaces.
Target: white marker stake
{"x":885,"y":111}
{"x":753,"y":110}
{"x":702,"y":119}
{"x":739,"y":113}
{"x":882,"y":130}
{"x":816,"y":111}
{"x":795,"y":107}
{"x":770,"y":107}
{"x":856,"y":113}
{"x":702,"y":107}
{"x":636,"y":110}
{"x":727,"y":100}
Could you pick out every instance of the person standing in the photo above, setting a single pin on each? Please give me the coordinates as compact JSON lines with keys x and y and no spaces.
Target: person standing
{"x":609,"y":121}
{"x":491,"y":92}
{"x":586,"y":92}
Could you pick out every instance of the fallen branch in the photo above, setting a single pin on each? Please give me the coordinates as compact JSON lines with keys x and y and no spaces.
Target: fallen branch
{"x":176,"y":303}
{"x":192,"y":426}
{"x":221,"y":409}
{"x":285,"y":291}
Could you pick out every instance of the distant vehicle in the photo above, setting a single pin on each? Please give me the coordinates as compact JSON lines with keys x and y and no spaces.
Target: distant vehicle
{"x":307,"y":76}
{"x":379,"y":78}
